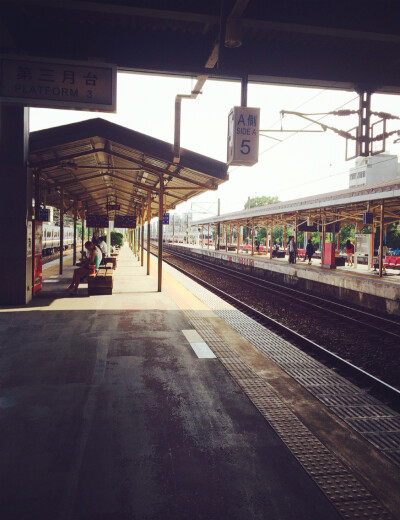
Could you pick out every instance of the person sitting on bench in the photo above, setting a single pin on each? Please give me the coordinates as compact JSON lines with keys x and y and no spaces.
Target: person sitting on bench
{"x":84,"y":270}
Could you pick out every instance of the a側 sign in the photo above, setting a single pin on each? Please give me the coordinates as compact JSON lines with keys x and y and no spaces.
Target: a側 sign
{"x":57,"y":83}
{"x":243,"y":136}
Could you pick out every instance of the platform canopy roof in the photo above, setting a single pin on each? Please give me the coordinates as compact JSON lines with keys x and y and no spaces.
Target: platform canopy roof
{"x":325,"y":43}
{"x":96,"y":161}
{"x":345,"y":206}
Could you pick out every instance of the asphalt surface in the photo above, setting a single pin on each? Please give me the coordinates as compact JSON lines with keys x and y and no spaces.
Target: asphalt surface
{"x":108,"y":414}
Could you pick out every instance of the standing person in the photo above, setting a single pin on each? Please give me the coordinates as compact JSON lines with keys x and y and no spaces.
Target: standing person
{"x":349,"y":246}
{"x":309,"y":250}
{"x":103,"y":248}
{"x":84,"y":270}
{"x":292,"y":250}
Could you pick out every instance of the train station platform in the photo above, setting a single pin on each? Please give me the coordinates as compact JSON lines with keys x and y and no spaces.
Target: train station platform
{"x":173,"y":405}
{"x":360,"y":286}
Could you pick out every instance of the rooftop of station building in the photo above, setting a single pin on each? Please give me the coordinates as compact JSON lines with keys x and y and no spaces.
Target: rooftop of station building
{"x":330,"y":204}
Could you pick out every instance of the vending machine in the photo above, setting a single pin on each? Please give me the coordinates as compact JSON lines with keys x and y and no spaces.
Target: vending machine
{"x":37,"y":279}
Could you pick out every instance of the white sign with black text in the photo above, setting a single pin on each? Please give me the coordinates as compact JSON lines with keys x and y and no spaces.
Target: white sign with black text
{"x":57,"y":83}
{"x":243,"y":134}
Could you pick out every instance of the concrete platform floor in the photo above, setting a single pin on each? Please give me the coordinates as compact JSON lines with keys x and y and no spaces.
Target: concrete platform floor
{"x":107,"y":413}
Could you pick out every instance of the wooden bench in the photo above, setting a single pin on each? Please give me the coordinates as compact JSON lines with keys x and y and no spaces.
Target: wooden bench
{"x":101,"y":282}
{"x":112,"y":260}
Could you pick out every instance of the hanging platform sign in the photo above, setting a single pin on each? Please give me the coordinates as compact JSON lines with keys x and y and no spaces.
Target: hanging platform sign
{"x":113,"y":207}
{"x":166,"y":218}
{"x":44,"y":214}
{"x":368,"y":218}
{"x":46,"y":83}
{"x":304,"y":226}
{"x":125,"y":221}
{"x":243,"y":136}
{"x":97,"y":221}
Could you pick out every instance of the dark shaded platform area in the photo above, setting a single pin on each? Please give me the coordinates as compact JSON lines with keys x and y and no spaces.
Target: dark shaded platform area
{"x":108,"y":414}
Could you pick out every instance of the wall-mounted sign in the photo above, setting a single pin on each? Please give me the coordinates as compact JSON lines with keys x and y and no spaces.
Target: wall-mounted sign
{"x":243,"y":130}
{"x":113,"y":207}
{"x":97,"y":221}
{"x":58,"y":83}
{"x":125,"y":221}
{"x":44,"y":215}
{"x":166,"y":218}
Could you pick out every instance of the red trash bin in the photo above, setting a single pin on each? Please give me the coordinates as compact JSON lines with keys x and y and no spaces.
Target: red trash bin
{"x":328,"y":259}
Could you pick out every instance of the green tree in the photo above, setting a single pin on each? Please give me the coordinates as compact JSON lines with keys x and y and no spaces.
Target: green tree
{"x":255,"y":202}
{"x":117,"y":239}
{"x":393,"y":235}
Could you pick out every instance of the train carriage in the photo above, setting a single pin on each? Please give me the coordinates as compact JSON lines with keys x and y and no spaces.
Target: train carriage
{"x":51,"y":238}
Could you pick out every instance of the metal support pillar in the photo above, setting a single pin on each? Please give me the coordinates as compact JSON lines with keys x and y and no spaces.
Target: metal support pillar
{"x":323,"y":239}
{"x":243,"y":97}
{"x":15,"y":201}
{"x":160,"y":231}
{"x":380,"y":259}
{"x":284,"y":236}
{"x":83,"y":236}
{"x":371,"y":249}
{"x":61,"y":229}
{"x":252,"y":237}
{"x":148,"y":230}
{"x":218,"y":225}
{"x":74,"y":244}
{"x":270,"y":242}
{"x":139,"y":237}
{"x":109,"y":239}
{"x":142,"y":234}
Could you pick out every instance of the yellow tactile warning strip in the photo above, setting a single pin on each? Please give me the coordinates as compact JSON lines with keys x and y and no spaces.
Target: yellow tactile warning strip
{"x":347,"y":493}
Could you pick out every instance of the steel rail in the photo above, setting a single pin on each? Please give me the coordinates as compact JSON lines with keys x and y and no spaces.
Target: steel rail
{"x":276,"y":288}
{"x":363,"y":376}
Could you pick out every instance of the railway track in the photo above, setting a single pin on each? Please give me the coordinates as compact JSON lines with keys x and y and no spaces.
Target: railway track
{"x":55,"y":256}
{"x":370,"y":320}
{"x":380,"y":381}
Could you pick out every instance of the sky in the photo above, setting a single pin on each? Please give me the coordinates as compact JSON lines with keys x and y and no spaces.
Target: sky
{"x":299,"y":165}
